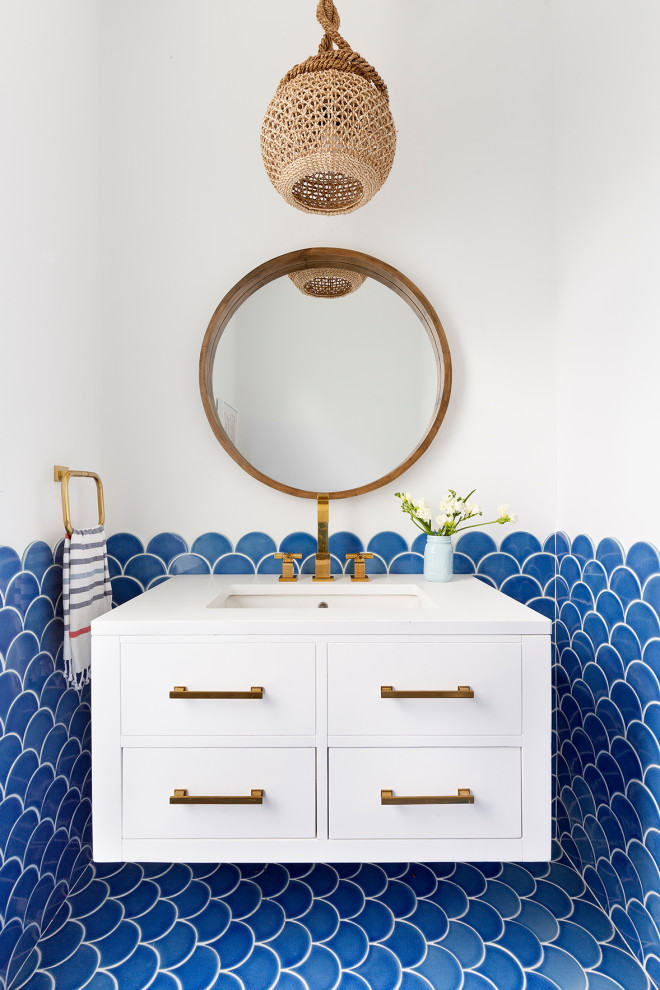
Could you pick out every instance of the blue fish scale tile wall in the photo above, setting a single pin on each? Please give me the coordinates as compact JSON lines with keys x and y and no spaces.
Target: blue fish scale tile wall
{"x":587,"y":921}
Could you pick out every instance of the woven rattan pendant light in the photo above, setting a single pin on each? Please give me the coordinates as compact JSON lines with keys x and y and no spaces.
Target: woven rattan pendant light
{"x":328,"y":137}
{"x":327,"y":283}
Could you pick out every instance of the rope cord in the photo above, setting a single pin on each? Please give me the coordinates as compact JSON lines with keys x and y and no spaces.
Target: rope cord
{"x":342,"y":58}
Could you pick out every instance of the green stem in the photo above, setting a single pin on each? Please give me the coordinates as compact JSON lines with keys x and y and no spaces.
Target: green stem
{"x":474,"y":525}
{"x":425,"y":528}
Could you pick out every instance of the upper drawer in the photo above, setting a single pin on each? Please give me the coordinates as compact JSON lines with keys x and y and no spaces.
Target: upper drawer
{"x":357,"y":672}
{"x":286,"y":672}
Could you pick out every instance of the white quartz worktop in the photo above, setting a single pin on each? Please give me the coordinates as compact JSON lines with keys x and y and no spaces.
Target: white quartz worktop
{"x":183,"y":605}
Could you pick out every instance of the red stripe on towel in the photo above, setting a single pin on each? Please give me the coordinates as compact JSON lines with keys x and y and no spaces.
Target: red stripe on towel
{"x":79,"y":632}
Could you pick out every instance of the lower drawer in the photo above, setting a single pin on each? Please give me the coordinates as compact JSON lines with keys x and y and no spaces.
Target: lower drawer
{"x":358,"y":776}
{"x":287,"y":778}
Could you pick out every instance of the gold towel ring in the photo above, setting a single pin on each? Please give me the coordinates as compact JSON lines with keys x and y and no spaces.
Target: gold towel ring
{"x":63,"y":474}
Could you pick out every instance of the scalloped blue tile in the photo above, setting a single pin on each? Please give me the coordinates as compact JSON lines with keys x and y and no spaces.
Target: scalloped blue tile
{"x":234,"y":563}
{"x":582,"y":598}
{"x":570,"y":569}
{"x":609,"y":553}
{"x":144,"y":567}
{"x":166,"y":546}
{"x":625,"y":641}
{"x":10,"y":564}
{"x":475,"y":545}
{"x":38,"y":557}
{"x":419,"y":543}
{"x":10,"y":626}
{"x":407,"y":563}
{"x":522,"y":588}
{"x":21,"y":590}
{"x":558,"y":544}
{"x":189,"y":563}
{"x":541,"y":566}
{"x":51,"y":583}
{"x":39,"y":614}
{"x":520,"y":545}
{"x":643,"y":621}
{"x":342,"y":543}
{"x":22,"y":651}
{"x":624,"y":583}
{"x":498,"y":566}
{"x":124,"y":589}
{"x":609,"y":607}
{"x":644,"y":560}
{"x":123,"y":546}
{"x":256,"y":546}
{"x":269,"y":565}
{"x":387,"y":545}
{"x":211,"y":546}
{"x":298,"y":542}
{"x":616,"y":829}
{"x":463,"y":564}
{"x":582,"y":548}
{"x":595,"y":576}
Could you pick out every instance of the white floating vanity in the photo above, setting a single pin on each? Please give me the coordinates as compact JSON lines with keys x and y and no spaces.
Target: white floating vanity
{"x":238,"y":719}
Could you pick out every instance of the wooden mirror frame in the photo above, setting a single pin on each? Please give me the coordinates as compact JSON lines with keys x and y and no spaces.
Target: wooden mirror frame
{"x":312,"y":258}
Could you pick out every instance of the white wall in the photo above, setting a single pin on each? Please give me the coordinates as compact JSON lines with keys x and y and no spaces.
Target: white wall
{"x":49,"y":271}
{"x":607,"y":92}
{"x":466,"y":213}
{"x":187,"y":209}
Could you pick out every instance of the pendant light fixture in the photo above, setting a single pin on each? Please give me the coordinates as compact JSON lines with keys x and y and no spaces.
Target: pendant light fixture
{"x":328,"y":138}
{"x":327,"y":283}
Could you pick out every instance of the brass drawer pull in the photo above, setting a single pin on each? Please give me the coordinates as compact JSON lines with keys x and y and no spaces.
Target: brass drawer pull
{"x":462,"y":691}
{"x":181,"y":796}
{"x":183,"y":692}
{"x":464,"y":796}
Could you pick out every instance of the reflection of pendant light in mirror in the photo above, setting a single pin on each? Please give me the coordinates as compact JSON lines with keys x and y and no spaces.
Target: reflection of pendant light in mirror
{"x":328,"y":137}
{"x":327,"y":283}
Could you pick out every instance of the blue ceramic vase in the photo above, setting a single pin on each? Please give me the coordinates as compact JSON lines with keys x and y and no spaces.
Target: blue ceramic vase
{"x":438,"y":558}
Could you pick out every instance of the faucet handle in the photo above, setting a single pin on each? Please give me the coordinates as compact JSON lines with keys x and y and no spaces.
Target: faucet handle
{"x":287,"y":565}
{"x":359,"y":559}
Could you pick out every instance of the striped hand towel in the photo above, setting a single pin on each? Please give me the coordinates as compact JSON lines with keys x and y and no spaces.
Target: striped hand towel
{"x":86,"y":594}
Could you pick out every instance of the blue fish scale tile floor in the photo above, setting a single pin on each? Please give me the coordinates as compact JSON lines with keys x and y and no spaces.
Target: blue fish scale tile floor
{"x":590,"y":920}
{"x":350,"y":927}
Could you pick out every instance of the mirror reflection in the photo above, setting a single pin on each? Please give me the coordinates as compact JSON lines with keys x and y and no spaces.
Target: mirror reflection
{"x":325,"y":394}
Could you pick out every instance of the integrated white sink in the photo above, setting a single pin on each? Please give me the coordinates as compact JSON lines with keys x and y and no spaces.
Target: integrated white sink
{"x":326,"y":596}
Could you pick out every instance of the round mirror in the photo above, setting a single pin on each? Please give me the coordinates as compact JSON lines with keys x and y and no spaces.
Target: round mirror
{"x":325,"y":371}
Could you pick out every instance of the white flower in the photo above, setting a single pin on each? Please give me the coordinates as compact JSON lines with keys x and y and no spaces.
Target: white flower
{"x":442,"y":521}
{"x":506,"y":515}
{"x":423,"y":510}
{"x":476,"y":511}
{"x":407,"y":497}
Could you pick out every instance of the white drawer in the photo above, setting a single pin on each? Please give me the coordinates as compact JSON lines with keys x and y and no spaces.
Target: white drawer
{"x":286,"y":672}
{"x":287,"y":778}
{"x":357,"y":672}
{"x":357,"y":777}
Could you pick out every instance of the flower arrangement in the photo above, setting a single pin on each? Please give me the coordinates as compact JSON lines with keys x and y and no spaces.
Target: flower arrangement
{"x":454,"y":510}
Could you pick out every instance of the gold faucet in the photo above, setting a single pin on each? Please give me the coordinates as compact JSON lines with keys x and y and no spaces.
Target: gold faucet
{"x":287,"y":565}
{"x":359,"y":558}
{"x":322,"y":557}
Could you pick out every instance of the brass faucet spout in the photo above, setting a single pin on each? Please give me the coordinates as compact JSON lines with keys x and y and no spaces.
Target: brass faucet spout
{"x":322,"y":558}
